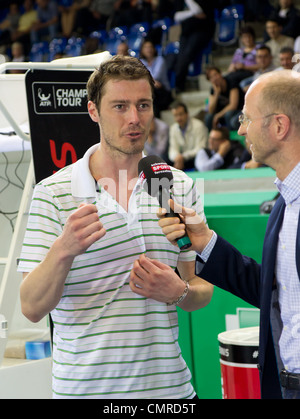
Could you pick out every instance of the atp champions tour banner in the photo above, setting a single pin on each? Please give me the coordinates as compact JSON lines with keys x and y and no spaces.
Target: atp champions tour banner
{"x":61,"y":129}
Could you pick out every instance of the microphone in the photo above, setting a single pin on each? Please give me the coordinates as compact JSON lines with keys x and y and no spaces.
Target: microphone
{"x":158,"y":182}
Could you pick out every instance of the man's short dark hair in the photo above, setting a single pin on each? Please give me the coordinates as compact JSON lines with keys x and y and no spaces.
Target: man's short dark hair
{"x":116,"y":68}
{"x":224,"y":131}
{"x":178,"y":104}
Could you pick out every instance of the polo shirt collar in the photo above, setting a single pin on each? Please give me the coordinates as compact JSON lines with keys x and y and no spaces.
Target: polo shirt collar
{"x":82,"y":181}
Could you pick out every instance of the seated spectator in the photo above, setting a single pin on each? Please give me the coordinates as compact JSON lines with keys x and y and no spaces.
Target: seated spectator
{"x":187,"y":136}
{"x":9,"y":24}
{"x":277,"y":40}
{"x":67,"y":12}
{"x":288,"y":16}
{"x":17,"y":52}
{"x":243,"y":63}
{"x":265,"y":64}
{"x":47,"y":21}
{"x":156,"y":64}
{"x":158,"y":139}
{"x":286,"y":59}
{"x":221,"y":152}
{"x":226,"y":100}
{"x":26,"y":21}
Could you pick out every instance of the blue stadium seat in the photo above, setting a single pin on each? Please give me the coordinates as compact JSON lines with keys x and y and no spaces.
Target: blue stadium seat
{"x":164,"y":24}
{"x":74,"y":46}
{"x":56,"y":46}
{"x":140,"y":29}
{"x":169,"y":52}
{"x":111,"y":45}
{"x":228,"y":25}
{"x":236,"y":11}
{"x":195,"y":68}
{"x":39,"y":52}
{"x":101,"y":35}
{"x":119,"y":32}
{"x":171,"y":48}
{"x":134,"y":44}
{"x":227,"y":31}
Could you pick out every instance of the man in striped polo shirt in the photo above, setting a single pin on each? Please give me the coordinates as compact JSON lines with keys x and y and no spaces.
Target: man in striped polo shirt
{"x":95,"y":257}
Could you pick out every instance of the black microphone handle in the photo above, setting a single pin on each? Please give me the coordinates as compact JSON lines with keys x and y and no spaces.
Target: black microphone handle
{"x":163,"y":197}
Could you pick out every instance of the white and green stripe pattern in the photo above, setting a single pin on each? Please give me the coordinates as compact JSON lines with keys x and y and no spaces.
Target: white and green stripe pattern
{"x":108,"y":341}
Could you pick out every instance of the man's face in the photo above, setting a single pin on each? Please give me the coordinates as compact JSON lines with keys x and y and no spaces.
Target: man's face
{"x":263,"y":59}
{"x":286,"y":60}
{"x":273,"y":29}
{"x":257,"y":130}
{"x":125,"y":115}
{"x":214,"y":140}
{"x":180,"y":116}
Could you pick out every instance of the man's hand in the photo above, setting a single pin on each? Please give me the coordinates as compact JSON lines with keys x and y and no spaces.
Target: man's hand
{"x":153,"y":279}
{"x":224,"y":148}
{"x":81,"y":230}
{"x":179,"y":162}
{"x":192,"y":224}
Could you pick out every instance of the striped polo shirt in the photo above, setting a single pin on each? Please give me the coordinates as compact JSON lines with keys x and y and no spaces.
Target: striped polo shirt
{"x":108,"y":341}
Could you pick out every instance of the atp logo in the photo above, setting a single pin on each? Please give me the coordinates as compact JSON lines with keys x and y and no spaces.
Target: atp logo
{"x":44,"y":99}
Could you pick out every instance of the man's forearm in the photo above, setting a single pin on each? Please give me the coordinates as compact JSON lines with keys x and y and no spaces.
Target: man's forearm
{"x":42,"y":288}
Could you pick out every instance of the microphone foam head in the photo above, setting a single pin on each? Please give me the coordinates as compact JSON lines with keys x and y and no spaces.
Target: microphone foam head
{"x":156,"y":173}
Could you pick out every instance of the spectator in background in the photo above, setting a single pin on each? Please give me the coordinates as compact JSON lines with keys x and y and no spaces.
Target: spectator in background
{"x":47,"y":21}
{"x":277,"y":40}
{"x":17,"y":52}
{"x":265,"y":64}
{"x":26,"y":21}
{"x":197,"y":30}
{"x":288,"y":16}
{"x":225,"y":101}
{"x":122,"y":48}
{"x":187,"y":136}
{"x":158,"y":139}
{"x":243,"y":63}
{"x":9,"y":24}
{"x":221,"y":152}
{"x":157,"y":66}
{"x":286,"y":59}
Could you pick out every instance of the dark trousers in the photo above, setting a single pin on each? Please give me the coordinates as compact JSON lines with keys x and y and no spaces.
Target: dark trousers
{"x":190,"y":46}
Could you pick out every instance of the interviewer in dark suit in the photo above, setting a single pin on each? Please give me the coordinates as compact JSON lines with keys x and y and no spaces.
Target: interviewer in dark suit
{"x":271,"y":124}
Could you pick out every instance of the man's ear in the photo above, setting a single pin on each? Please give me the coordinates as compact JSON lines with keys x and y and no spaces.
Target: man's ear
{"x":283,"y":124}
{"x":93,"y":112}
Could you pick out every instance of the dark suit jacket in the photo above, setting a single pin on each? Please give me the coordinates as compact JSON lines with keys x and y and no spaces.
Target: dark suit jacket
{"x":228,"y":269}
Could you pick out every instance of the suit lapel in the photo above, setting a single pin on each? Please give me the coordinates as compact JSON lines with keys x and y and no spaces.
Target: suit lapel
{"x":272,"y":232}
{"x":298,"y":247}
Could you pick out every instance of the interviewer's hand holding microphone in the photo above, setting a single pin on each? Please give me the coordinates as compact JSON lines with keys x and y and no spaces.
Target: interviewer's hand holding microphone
{"x":189,"y":222}
{"x":182,"y":226}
